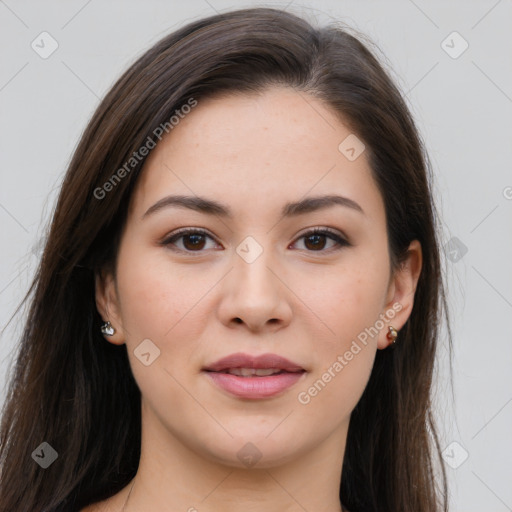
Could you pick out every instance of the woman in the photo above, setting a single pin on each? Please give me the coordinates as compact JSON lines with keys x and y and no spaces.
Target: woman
{"x":238,"y":303}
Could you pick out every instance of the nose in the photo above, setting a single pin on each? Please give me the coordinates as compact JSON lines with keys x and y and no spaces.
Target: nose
{"x":255,"y":295}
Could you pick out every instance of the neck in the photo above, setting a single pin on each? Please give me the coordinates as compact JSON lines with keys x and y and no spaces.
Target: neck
{"x":174,"y":474}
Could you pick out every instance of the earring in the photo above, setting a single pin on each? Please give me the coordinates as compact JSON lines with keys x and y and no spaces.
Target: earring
{"x":392,"y":334}
{"x":107,"y":329}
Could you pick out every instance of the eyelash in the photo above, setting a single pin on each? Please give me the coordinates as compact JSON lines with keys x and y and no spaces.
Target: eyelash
{"x":333,"y":235}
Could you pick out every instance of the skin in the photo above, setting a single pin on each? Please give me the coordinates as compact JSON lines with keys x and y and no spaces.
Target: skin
{"x":303,"y":301}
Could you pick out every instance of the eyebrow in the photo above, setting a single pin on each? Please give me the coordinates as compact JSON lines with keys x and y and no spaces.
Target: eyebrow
{"x":211,"y":207}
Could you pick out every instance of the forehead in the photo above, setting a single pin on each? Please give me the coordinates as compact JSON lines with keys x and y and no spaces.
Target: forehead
{"x":257,"y":151}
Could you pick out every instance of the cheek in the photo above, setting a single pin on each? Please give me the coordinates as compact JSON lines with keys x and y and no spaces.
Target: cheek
{"x":165,"y":303}
{"x":350,"y":300}
{"x":158,"y":303}
{"x":154,"y":295}
{"x":348,"y":304}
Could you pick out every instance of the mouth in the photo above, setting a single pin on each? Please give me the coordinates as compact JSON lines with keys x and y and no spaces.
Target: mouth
{"x":254,"y":377}
{"x":248,"y":365}
{"x":255,"y":372}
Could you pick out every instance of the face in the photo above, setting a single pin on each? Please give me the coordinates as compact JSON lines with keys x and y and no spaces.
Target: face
{"x":250,"y":276}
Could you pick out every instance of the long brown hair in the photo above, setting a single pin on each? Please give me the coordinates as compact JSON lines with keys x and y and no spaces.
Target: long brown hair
{"x":76,"y":392}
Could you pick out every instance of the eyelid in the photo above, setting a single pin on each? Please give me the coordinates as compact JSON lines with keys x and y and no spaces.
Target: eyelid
{"x":166,"y":241}
{"x":323,"y":230}
{"x":338,"y":236}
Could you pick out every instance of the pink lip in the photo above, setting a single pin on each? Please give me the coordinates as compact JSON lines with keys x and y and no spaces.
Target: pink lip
{"x":254,"y":387}
{"x":240,"y":360}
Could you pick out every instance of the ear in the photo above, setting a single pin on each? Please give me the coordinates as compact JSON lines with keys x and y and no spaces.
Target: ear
{"x":401,"y":290}
{"x":107,"y":303}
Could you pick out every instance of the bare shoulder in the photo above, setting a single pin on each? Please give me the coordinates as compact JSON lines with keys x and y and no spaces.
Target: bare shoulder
{"x":95,"y":507}
{"x":101,"y":506}
{"x":91,"y":508}
{"x":113,"y":504}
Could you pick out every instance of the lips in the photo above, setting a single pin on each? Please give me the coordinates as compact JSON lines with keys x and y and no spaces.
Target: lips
{"x":254,"y":377}
{"x":262,"y":362}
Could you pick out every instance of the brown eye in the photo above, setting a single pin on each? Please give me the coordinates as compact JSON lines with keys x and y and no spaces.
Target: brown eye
{"x":315,"y":240}
{"x":193,"y":240}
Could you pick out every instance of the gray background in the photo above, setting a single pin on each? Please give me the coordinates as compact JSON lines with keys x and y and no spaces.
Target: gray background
{"x":463,"y":108}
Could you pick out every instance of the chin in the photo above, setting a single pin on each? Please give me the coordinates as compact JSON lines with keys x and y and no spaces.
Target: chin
{"x":255,"y":449}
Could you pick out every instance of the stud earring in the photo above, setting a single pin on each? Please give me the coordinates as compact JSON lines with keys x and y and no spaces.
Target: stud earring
{"x":107,"y":329}
{"x":392,"y":334}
